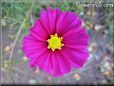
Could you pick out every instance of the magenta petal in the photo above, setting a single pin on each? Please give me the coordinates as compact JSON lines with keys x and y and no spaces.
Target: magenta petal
{"x":32,"y":43}
{"x":49,"y":18}
{"x":32,"y":46}
{"x":77,"y":58}
{"x":33,"y":52}
{"x":37,"y":60}
{"x":47,"y":65}
{"x":38,"y":32}
{"x":81,"y":43}
{"x":64,"y":63}
{"x":50,"y":65}
{"x":76,"y":39}
{"x":76,"y":47}
{"x":56,"y":66}
{"x":76,"y":34}
{"x":66,"y":22}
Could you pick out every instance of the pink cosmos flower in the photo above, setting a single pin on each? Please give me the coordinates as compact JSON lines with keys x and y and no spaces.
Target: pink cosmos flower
{"x":56,"y":42}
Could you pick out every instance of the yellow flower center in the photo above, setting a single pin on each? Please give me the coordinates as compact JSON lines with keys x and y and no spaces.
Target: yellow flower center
{"x":55,"y":42}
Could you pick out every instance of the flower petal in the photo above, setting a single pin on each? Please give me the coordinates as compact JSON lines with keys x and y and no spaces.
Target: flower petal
{"x":32,"y":47}
{"x":64,"y":63}
{"x":77,"y":58}
{"x":66,"y":22}
{"x":38,"y":32}
{"x":39,"y":58}
{"x":76,"y":39}
{"x":49,"y":18}
{"x":56,"y":66}
{"x":47,"y":65}
{"x":75,"y":34}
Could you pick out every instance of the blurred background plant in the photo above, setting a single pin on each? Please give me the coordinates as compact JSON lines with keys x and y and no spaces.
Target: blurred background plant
{"x":13,"y":13}
{"x":19,"y":15}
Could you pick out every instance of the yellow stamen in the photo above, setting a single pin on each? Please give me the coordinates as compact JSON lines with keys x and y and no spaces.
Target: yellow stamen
{"x":55,"y":42}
